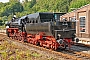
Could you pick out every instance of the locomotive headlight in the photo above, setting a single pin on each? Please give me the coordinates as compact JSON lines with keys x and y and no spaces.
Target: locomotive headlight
{"x":7,"y":27}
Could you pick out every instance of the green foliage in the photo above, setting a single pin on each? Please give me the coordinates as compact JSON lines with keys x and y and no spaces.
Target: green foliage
{"x":11,"y":58}
{"x":7,"y":10}
{"x":51,"y":5}
{"x":36,"y":54}
{"x":78,"y":3}
{"x":4,"y":55}
{"x":1,"y":47}
{"x":11,"y":9}
{"x":13,"y":1}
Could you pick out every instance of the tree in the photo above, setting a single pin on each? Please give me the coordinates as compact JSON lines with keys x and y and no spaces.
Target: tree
{"x":14,"y":0}
{"x":4,"y":19}
{"x":11,"y":9}
{"x":28,"y":7}
{"x":78,"y":3}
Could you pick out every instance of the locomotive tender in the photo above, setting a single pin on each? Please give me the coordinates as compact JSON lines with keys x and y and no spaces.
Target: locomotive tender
{"x":44,"y":29}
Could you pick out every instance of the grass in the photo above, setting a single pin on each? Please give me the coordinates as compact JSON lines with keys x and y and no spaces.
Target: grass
{"x":4,"y":55}
{"x":1,"y":47}
{"x":10,"y":51}
{"x":2,"y":27}
{"x":36,"y":55}
{"x":11,"y":58}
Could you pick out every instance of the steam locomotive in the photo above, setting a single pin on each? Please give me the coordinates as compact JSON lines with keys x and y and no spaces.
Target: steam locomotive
{"x":43,"y":29}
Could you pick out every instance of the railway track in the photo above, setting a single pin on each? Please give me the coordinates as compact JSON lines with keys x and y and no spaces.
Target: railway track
{"x":66,"y":55}
{"x":82,"y":45}
{"x":80,"y":48}
{"x":80,"y":55}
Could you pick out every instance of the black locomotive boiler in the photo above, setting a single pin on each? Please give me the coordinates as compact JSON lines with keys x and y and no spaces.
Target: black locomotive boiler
{"x":44,"y":29}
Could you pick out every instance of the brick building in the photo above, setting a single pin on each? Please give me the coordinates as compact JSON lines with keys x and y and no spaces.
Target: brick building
{"x":82,"y":17}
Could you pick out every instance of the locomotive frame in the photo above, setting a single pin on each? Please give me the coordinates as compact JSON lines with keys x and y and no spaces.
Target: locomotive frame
{"x":43,"y":29}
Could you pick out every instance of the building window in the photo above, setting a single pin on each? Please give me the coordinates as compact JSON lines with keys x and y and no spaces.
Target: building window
{"x":82,"y":24}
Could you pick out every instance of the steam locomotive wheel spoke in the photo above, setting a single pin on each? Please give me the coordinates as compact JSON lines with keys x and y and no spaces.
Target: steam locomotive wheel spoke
{"x":15,"y":37}
{"x":20,"y":38}
{"x":36,"y":43}
{"x":30,"y":42}
{"x":41,"y":44}
{"x":12,"y":37}
{"x":51,"y":46}
{"x":33,"y":43}
{"x":64,"y":46}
